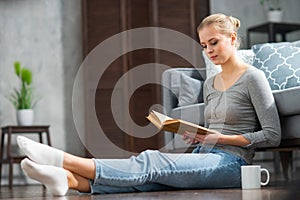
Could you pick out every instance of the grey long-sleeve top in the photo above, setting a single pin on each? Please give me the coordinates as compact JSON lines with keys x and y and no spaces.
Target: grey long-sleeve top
{"x":246,"y":108}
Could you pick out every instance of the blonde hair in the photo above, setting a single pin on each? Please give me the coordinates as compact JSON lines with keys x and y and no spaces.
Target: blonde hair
{"x":223,"y":24}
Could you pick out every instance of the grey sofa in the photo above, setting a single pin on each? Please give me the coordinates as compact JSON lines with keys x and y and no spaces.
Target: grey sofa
{"x":287,"y":101}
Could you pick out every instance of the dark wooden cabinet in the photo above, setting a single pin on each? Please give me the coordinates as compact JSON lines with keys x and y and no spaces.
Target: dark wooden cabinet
{"x":105,"y":18}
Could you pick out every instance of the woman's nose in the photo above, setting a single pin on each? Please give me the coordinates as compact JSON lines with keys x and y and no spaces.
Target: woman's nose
{"x":209,"y":49}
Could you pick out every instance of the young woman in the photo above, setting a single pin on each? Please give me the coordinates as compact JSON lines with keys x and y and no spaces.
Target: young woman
{"x":239,"y":108}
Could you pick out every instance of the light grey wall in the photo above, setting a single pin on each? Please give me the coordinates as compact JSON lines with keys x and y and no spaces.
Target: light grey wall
{"x":72,"y":58}
{"x":31,"y":34}
{"x":45,"y":36}
{"x":251,"y":13}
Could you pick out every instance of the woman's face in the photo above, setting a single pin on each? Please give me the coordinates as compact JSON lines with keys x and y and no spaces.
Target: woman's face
{"x":218,"y":47}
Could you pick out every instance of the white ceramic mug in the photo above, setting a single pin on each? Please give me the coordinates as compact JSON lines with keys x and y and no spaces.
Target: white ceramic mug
{"x":251,"y":176}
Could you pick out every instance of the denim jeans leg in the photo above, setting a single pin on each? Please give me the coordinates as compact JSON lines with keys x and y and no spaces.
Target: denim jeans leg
{"x":153,"y":170}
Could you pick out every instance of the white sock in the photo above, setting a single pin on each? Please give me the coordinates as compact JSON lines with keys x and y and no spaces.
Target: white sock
{"x":41,"y":153}
{"x":54,"y":178}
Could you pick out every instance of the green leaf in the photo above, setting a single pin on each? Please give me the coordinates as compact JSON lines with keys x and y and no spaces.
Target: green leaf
{"x":17,"y":68}
{"x":26,"y":76}
{"x":23,"y":97}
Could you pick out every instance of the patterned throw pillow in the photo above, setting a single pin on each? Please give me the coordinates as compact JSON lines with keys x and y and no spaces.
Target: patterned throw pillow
{"x":246,"y":55}
{"x":280,"y":62}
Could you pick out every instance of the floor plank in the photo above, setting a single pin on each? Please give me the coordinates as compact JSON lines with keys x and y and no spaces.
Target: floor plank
{"x":278,"y":189}
{"x":272,"y":192}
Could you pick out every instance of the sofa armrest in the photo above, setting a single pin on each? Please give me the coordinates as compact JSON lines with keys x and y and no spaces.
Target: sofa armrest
{"x":287,"y":101}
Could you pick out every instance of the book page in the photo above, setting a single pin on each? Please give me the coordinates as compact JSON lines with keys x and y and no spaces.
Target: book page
{"x":162,"y":118}
{"x":157,"y":118}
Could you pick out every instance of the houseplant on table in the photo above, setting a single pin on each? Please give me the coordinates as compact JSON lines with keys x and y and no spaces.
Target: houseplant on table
{"x":22,"y":98}
{"x":274,"y":10}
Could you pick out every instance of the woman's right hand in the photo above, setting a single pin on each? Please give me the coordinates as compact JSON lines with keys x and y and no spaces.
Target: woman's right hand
{"x":189,"y":140}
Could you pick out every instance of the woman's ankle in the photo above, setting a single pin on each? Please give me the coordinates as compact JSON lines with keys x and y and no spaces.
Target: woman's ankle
{"x":77,"y":182}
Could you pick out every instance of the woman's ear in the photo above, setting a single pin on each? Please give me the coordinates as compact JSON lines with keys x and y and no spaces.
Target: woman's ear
{"x":233,"y":38}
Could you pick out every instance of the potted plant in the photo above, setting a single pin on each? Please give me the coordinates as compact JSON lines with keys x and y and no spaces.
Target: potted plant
{"x":22,"y":97}
{"x":274,"y":10}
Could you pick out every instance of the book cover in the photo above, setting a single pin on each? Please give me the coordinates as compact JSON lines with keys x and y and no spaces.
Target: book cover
{"x":166,"y":123}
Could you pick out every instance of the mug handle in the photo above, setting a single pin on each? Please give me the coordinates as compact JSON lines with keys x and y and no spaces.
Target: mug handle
{"x":268,"y":177}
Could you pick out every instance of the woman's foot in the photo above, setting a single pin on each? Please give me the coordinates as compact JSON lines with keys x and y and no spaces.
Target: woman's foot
{"x":54,"y":178}
{"x":41,"y":153}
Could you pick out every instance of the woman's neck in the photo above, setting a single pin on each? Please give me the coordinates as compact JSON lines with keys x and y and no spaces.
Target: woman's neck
{"x":233,"y":65}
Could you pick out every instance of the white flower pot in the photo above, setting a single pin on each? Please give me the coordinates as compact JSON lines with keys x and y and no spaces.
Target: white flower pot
{"x":275,"y":16}
{"x":25,"y":117}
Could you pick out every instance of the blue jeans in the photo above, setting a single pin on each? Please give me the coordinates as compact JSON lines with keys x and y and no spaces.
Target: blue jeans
{"x":156,"y":171}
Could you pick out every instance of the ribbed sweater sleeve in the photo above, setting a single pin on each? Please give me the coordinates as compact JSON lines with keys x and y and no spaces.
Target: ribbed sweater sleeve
{"x":266,"y":111}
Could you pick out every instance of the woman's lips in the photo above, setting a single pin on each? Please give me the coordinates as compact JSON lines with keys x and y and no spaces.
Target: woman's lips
{"x":213,"y":57}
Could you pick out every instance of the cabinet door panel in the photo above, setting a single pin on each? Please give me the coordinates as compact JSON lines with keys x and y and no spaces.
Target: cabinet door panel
{"x":105,"y":18}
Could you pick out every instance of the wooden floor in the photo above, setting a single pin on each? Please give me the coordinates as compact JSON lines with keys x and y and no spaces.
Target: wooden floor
{"x":276,"y":190}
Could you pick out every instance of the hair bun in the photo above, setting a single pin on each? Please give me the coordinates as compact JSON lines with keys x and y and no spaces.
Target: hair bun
{"x":236,"y":22}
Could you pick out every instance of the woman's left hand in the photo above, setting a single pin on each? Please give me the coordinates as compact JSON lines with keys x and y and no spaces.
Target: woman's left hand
{"x":210,"y":138}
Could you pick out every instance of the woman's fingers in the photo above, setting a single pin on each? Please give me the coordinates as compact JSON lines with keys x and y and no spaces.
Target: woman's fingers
{"x":205,"y":139}
{"x":189,"y":138}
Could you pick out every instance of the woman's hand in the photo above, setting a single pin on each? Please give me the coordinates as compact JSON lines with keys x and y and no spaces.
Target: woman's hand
{"x":215,"y":137}
{"x":211,"y":138}
{"x":189,"y":140}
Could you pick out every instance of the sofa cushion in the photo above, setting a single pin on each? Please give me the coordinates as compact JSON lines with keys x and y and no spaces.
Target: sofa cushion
{"x":280,"y":62}
{"x":180,"y":80}
{"x":189,"y":91}
{"x":246,"y":55}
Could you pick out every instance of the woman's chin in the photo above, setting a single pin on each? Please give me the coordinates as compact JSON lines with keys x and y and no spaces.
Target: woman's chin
{"x":216,"y":62}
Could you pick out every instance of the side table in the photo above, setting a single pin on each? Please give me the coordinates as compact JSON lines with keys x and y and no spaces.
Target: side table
{"x":272,"y":28}
{"x":10,"y":159}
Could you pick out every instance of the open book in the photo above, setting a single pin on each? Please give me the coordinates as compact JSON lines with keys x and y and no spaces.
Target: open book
{"x":163,"y":122}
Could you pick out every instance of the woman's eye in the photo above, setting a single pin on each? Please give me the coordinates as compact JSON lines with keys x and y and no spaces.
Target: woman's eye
{"x":211,"y":43}
{"x":214,"y":43}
